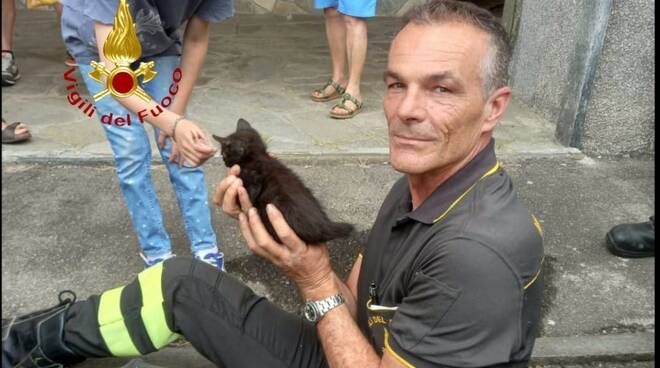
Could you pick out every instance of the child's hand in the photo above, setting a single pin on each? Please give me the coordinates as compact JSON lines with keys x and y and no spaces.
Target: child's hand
{"x":193,"y":145}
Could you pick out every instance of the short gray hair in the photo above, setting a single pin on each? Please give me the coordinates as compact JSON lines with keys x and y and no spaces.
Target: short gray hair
{"x":495,"y":65}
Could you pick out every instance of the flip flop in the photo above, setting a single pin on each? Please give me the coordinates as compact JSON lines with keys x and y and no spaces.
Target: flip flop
{"x":9,"y":134}
{"x":338,"y":91}
{"x":351,"y":112}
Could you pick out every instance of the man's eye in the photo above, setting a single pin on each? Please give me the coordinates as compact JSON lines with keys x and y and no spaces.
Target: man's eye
{"x":395,"y":85}
{"x":440,"y":89}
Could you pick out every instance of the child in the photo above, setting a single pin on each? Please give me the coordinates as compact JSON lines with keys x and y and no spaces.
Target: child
{"x":85,"y":27}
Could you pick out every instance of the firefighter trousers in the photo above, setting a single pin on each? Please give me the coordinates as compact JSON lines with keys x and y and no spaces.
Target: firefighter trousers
{"x":220,"y":316}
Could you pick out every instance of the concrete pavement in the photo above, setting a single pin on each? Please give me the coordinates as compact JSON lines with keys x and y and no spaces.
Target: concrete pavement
{"x":66,"y":227}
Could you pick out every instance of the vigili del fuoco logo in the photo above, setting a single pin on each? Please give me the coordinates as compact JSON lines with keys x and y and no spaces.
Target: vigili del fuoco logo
{"x":123,"y":48}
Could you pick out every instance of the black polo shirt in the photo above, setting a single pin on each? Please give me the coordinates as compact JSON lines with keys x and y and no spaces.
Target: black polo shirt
{"x":458,"y":280}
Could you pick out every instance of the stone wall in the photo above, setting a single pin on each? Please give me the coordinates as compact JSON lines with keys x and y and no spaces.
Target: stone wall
{"x":621,"y":113}
{"x":588,"y":67}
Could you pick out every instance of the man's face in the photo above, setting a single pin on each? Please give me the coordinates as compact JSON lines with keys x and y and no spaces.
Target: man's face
{"x":434,"y":103}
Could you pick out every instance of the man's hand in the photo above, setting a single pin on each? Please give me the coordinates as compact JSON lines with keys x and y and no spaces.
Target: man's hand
{"x":230,"y":195}
{"x":193,"y":143}
{"x":308,"y":266}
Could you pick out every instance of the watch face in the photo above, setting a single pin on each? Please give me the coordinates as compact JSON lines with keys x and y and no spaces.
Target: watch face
{"x":310,"y":313}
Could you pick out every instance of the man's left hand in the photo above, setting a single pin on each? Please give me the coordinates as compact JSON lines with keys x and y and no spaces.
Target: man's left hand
{"x":308,"y":266}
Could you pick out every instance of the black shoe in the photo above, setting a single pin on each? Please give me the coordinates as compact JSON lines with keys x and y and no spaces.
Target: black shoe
{"x":632,"y":240}
{"x":35,"y":339}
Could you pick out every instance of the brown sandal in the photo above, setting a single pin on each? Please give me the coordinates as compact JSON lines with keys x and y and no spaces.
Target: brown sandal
{"x":338,"y":91}
{"x":9,"y":134}
{"x":351,"y":112}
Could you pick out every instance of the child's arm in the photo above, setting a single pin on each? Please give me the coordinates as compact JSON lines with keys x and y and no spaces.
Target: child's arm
{"x":195,"y":47}
{"x":192,"y":142}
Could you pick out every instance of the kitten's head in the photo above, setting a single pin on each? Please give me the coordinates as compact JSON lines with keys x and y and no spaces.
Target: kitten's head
{"x":243,"y":145}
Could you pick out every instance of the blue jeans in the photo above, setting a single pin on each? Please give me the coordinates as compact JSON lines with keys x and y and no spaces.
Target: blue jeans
{"x":132,"y":153}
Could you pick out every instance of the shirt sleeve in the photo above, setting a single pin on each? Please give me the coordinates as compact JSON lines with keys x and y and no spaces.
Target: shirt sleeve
{"x":215,"y":10}
{"x":463,"y":309}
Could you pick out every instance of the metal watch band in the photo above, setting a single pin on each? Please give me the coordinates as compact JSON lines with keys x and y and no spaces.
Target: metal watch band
{"x":323,"y":306}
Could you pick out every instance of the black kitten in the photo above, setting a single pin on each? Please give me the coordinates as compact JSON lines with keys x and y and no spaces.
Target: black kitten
{"x":268,"y":181}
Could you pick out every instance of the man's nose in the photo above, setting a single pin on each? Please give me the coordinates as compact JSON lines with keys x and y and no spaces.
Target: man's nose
{"x":412,"y":107}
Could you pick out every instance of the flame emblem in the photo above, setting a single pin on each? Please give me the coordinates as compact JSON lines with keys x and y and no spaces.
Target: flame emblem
{"x":122,"y":47}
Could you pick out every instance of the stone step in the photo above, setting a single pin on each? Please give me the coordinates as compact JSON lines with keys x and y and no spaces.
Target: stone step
{"x":626,"y":350}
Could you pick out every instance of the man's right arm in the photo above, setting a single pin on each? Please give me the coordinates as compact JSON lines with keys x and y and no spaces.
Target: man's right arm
{"x":349,"y":287}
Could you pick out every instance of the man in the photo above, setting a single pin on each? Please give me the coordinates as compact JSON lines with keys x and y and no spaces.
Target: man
{"x":346,"y":31}
{"x":450,"y":275}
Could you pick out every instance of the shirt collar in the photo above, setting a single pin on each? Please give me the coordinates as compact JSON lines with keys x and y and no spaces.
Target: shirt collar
{"x":445,"y":194}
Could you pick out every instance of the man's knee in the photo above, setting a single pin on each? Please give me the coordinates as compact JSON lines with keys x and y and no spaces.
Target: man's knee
{"x":184,"y":276}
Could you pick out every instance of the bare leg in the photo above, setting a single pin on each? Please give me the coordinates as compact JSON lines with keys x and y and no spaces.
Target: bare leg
{"x":356,"y":46}
{"x":58,"y":10}
{"x":335,"y":31}
{"x":8,"y":19}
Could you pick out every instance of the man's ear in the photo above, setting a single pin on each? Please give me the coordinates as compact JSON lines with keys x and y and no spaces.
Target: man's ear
{"x":495,"y":108}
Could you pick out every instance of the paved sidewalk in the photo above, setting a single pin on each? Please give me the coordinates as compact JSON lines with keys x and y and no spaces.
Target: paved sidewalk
{"x":261,"y":68}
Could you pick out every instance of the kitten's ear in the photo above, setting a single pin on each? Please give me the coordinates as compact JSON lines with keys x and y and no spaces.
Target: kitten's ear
{"x":222,"y":140}
{"x":243,"y":125}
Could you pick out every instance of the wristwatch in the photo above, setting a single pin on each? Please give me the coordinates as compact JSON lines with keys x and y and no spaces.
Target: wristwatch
{"x":315,"y":309}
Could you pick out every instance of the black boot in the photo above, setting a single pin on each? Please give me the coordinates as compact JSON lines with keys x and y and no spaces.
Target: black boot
{"x":632,"y":240}
{"x":35,"y":339}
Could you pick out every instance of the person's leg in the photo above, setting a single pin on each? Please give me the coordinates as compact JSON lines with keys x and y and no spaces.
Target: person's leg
{"x":8,"y":20}
{"x":132,"y":153}
{"x":188,"y":182}
{"x":58,"y":10}
{"x":356,"y":46}
{"x":222,"y":318}
{"x":10,"y":72}
{"x":335,"y":31}
{"x":355,"y":13}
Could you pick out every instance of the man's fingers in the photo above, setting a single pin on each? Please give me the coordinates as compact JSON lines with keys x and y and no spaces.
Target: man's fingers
{"x":247,"y":235}
{"x":161,"y":140}
{"x":244,"y":199}
{"x":263,"y":238}
{"x":246,"y":231}
{"x":235,"y":170}
{"x":229,"y":203}
{"x":222,"y":188}
{"x":282,"y":228}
